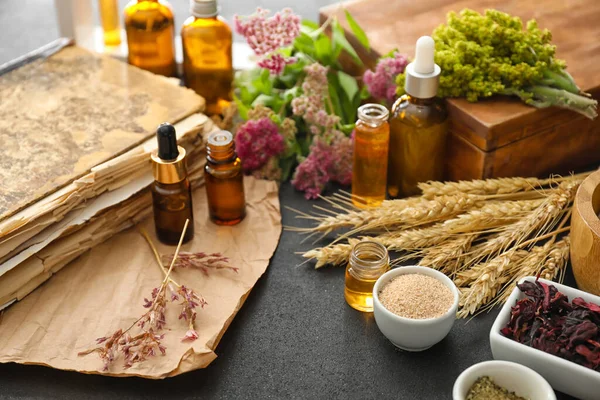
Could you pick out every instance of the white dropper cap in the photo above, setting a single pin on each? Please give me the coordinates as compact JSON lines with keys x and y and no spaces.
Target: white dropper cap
{"x":203,"y":8}
{"x":424,"y":55}
{"x":423,"y":74}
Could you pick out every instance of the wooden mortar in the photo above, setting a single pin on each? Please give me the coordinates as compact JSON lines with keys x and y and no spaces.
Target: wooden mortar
{"x":585,"y":235}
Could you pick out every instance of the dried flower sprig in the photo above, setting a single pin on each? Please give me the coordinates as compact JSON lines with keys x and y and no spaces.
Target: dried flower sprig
{"x":202,"y":261}
{"x":147,"y":343}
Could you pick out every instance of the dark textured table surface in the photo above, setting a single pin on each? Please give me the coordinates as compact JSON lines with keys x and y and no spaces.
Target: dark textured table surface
{"x":294,"y":338}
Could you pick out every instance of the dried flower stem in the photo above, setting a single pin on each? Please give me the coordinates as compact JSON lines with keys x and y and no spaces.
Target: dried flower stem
{"x":146,"y":344}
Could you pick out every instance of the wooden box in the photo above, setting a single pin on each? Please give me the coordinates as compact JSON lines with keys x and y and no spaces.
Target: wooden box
{"x":499,"y":136}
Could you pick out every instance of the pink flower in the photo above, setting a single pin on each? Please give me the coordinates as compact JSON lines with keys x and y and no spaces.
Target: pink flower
{"x":266,"y":35}
{"x":325,"y":162}
{"x":190,"y":335}
{"x":256,"y":141}
{"x":382,"y":83}
{"x":276,"y":63}
{"x":342,"y":156}
{"x":311,"y":104}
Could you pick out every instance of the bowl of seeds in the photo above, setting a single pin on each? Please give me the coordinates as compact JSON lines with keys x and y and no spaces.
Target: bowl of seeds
{"x":414,"y":307}
{"x":501,"y":380}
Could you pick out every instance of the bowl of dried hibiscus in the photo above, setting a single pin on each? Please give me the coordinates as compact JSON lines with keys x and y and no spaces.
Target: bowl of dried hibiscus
{"x":555,"y":330}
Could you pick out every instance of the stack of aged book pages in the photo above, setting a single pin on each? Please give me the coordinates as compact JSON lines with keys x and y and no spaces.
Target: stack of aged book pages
{"x":76,"y":131}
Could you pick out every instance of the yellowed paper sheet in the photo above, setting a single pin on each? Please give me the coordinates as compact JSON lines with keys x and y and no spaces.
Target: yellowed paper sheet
{"x":103,"y":291}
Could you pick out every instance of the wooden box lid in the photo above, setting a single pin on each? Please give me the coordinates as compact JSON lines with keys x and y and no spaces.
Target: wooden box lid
{"x":498,"y":121}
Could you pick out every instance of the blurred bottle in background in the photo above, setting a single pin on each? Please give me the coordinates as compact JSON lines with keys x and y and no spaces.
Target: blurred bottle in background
{"x":149,"y":26}
{"x":207,"y":61}
{"x":109,"y":15}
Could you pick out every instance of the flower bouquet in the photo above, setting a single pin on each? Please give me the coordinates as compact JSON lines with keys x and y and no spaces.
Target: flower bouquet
{"x":299,"y":106}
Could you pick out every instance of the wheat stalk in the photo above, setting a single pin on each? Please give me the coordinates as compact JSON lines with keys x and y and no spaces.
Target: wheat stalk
{"x":355,"y":219}
{"x":491,"y":215}
{"x":487,"y":278}
{"x":433,"y":189}
{"x":448,"y":256}
{"x":554,"y":264}
{"x":536,"y":223}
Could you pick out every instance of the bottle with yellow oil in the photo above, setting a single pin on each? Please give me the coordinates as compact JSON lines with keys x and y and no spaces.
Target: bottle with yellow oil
{"x":109,"y":15}
{"x":207,"y":61}
{"x":371,"y":146}
{"x":368,"y":261}
{"x":150,"y":30}
{"x":418,"y":127}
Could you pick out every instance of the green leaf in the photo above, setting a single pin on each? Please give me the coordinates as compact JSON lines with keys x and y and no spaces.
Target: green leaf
{"x":323,"y":49}
{"x":291,"y":93}
{"x":245,"y":95}
{"x":348,"y":84}
{"x":242,"y":108}
{"x":286,"y":165}
{"x":357,"y":30}
{"x":263,"y":99}
{"x":305,"y":43}
{"x":333,"y":83}
{"x":340,"y":38}
{"x":347,"y":128}
{"x":308,"y":27}
{"x":364,"y":93}
{"x":265,"y":78}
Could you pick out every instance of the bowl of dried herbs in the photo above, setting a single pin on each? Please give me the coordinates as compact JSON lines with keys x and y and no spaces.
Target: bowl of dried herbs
{"x":555,"y":330}
{"x":501,"y":380}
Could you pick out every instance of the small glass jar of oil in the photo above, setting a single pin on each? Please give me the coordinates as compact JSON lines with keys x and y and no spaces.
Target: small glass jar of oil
{"x":368,"y":261}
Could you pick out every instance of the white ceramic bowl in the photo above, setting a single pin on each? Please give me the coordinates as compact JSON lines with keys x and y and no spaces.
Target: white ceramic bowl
{"x":514,"y":377}
{"x":407,"y":333}
{"x":564,"y":376}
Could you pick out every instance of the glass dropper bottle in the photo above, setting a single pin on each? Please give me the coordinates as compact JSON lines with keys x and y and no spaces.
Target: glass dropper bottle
{"x":418,"y":126}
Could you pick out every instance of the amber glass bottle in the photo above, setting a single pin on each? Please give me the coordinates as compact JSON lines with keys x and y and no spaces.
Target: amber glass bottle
{"x":371,"y":146}
{"x":207,"y":63}
{"x":418,"y":126}
{"x":109,"y":15}
{"x":149,"y":26}
{"x":417,"y":144}
{"x":171,"y":190}
{"x":224,"y":180}
{"x":368,"y":261}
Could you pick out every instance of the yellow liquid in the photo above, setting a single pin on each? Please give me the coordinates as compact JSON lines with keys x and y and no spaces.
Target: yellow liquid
{"x":149,"y":25}
{"x":369,"y":171}
{"x":418,"y":130}
{"x":207,"y":60}
{"x":359,"y":292}
{"x":109,"y":14}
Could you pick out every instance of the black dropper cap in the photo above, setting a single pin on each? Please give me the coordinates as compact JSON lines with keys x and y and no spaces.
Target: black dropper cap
{"x":167,"y":142}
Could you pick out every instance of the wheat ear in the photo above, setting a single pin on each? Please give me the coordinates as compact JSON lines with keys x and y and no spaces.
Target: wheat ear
{"x":536,"y":223}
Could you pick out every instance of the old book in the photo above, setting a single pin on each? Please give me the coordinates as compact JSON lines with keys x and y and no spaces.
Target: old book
{"x":63,"y":114}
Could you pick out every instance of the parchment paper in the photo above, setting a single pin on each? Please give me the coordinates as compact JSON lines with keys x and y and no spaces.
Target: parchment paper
{"x":103,"y":291}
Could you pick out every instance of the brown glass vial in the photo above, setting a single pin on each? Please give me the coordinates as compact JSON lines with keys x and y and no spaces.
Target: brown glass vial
{"x":207,"y":62}
{"x":171,"y":190}
{"x":149,"y":26}
{"x":224,"y":180}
